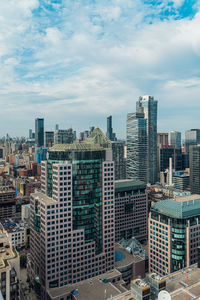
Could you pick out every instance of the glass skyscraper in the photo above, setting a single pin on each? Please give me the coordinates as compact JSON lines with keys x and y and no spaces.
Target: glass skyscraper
{"x":136,"y":139}
{"x":148,"y":106}
{"x":39,"y":132}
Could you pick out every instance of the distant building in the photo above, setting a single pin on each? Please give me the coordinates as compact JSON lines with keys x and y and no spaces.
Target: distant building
{"x":39,"y":132}
{"x":119,"y":160}
{"x":174,"y":234}
{"x":195,"y":169}
{"x":148,"y":106}
{"x":109,"y":132}
{"x":164,"y":155}
{"x":175,"y":139}
{"x":131,"y":209}
{"x":136,"y":141}
{"x":64,"y":136}
{"x":181,"y":180}
{"x":192,"y":138}
{"x":162,"y":140}
{"x":48,"y":138}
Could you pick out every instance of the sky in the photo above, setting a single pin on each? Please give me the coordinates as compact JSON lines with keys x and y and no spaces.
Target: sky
{"x":75,"y":62}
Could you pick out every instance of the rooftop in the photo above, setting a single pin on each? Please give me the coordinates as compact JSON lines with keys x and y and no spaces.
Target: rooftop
{"x":128,"y":184}
{"x":94,"y":288}
{"x":178,"y":209}
{"x":75,"y":147}
{"x":46,"y":199}
{"x":6,"y":252}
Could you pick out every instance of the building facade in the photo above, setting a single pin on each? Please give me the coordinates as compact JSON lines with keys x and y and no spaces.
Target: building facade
{"x":175,"y":139}
{"x":119,"y":160}
{"x":136,"y":141}
{"x":192,"y":138}
{"x":7,"y":201}
{"x":194,"y":158}
{"x":174,"y":234}
{"x":131,"y":210}
{"x":109,"y":132}
{"x":39,"y":132}
{"x":72,"y":220}
{"x":48,"y":138}
{"x":63,"y":136}
{"x":148,"y":106}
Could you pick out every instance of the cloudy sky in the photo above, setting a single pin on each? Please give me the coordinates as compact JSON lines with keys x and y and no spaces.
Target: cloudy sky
{"x":74,"y":62}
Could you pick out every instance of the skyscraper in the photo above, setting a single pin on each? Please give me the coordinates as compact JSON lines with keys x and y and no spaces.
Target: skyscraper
{"x":109,"y":132}
{"x":192,"y":137}
{"x":72,"y":220}
{"x":39,"y":132}
{"x":194,"y":162}
{"x":48,"y":138}
{"x":175,"y":139}
{"x":148,"y":106}
{"x":64,"y":136}
{"x":136,"y":140}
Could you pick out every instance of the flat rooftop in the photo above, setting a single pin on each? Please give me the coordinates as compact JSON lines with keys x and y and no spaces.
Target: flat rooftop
{"x":44,"y":198}
{"x":128,"y":184}
{"x":94,"y":288}
{"x":178,"y":209}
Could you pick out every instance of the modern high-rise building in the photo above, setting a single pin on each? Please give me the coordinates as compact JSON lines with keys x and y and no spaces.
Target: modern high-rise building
{"x":109,"y":132}
{"x":48,"y":138}
{"x":39,"y":132}
{"x":164,"y":155}
{"x":174,"y":139}
{"x":162,"y":140}
{"x":30,"y":134}
{"x":136,"y":141}
{"x":195,"y":169}
{"x":131,"y":210}
{"x":174,"y":234}
{"x":64,"y":136}
{"x":72,"y":219}
{"x":148,"y":106}
{"x":119,"y":160}
{"x":192,"y":138}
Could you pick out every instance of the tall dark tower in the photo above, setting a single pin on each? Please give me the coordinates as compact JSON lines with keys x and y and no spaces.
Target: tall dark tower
{"x":109,"y":132}
{"x":39,"y":132}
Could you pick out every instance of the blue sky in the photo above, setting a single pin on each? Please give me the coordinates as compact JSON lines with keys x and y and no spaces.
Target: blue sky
{"x":74,"y":62}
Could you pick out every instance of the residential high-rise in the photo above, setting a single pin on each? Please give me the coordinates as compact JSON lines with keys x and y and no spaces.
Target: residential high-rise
{"x":64,"y":136}
{"x":192,"y":138}
{"x":136,"y":141}
{"x":109,"y":132}
{"x":39,"y":132}
{"x":174,"y":234}
{"x":175,"y":139}
{"x":195,"y":169}
{"x":72,"y":219}
{"x":48,"y":138}
{"x":148,"y":106}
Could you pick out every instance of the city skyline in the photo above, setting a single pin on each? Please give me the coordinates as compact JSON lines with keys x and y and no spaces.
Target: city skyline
{"x":72,"y":62}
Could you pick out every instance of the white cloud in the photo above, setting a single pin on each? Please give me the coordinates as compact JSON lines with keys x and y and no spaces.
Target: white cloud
{"x":94,"y":60}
